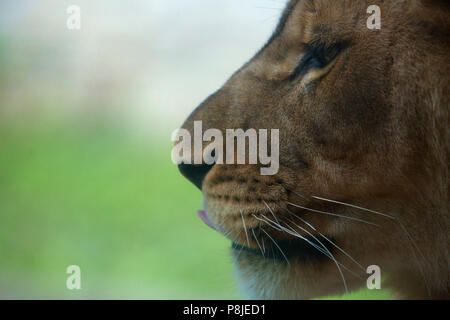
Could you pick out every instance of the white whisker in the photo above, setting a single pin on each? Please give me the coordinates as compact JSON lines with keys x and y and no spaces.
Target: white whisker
{"x":271,"y":211}
{"x":263,"y":245}
{"x":319,"y":249}
{"x":270,"y":222}
{"x":326,"y":238}
{"x":256,"y":238}
{"x":332,"y":214}
{"x":343,"y":251}
{"x":245,"y":229}
{"x":414,"y":246}
{"x":329,"y":255}
{"x":276,"y":245}
{"x":354,"y":206}
{"x":324,"y":251}
{"x":299,"y":194}
{"x":278,"y":229}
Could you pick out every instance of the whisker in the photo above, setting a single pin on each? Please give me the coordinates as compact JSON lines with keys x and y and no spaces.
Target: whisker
{"x":228,"y":233}
{"x":296,"y":216}
{"x":343,"y":251}
{"x":342,"y":265}
{"x":296,"y":234}
{"x":278,"y":229}
{"x":245,"y":229}
{"x":256,"y":238}
{"x":319,"y":249}
{"x":276,"y":245}
{"x":414,"y":246}
{"x":354,"y":206}
{"x":299,"y":194}
{"x":263,"y":245}
{"x":332,"y":214}
{"x":326,"y":238}
{"x":324,"y":251}
{"x":270,"y":222}
{"x":315,"y":238}
{"x":270,"y":209}
{"x":239,"y":253}
{"x":329,"y":255}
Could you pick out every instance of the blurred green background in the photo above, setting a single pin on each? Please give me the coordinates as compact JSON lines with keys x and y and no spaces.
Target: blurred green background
{"x":85,"y":121}
{"x":108,"y":202}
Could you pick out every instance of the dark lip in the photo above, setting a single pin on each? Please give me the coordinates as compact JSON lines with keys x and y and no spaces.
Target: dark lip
{"x":293,"y":250}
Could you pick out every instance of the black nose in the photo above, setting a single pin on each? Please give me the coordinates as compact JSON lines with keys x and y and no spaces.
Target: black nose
{"x":195,"y":172}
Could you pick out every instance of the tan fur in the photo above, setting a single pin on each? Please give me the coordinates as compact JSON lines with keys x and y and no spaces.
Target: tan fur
{"x":371,"y":130}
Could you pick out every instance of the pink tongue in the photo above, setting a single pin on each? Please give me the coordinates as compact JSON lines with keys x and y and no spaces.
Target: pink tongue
{"x":204,"y":217}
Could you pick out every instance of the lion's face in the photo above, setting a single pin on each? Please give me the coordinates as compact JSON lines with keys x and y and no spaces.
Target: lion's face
{"x":363,"y":167}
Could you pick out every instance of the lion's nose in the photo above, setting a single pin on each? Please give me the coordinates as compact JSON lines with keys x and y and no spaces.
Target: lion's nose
{"x":195,"y":172}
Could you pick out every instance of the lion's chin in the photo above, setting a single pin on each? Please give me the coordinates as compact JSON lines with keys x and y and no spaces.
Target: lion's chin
{"x":301,"y":272}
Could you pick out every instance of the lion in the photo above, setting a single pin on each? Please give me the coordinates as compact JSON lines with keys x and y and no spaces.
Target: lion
{"x":363,"y":178}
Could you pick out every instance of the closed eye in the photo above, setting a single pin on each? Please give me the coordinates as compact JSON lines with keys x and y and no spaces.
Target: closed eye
{"x":317,"y":56}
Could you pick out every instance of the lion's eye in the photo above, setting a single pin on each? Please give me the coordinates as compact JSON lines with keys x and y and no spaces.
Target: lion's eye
{"x":317,"y":57}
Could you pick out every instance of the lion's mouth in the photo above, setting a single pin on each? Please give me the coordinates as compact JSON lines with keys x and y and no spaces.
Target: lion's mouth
{"x":299,"y":250}
{"x":204,"y":217}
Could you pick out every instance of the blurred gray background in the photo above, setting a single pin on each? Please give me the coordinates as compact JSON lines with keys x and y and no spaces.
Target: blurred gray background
{"x":148,"y":61}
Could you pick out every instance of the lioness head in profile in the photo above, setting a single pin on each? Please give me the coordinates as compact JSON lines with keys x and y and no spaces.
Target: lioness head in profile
{"x":364,"y":145}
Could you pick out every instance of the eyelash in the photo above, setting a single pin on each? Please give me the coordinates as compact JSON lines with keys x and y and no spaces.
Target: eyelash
{"x":318,"y":56}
